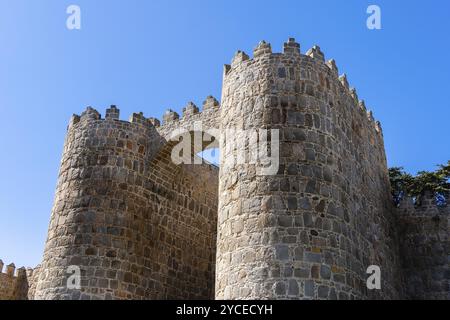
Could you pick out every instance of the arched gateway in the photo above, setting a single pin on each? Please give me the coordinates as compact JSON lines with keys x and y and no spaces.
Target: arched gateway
{"x":140,"y":226}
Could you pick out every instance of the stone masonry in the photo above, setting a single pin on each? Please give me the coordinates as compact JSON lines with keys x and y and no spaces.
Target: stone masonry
{"x":425,"y":248}
{"x":138,"y":225}
{"x":16,"y":284}
{"x":310,"y":231}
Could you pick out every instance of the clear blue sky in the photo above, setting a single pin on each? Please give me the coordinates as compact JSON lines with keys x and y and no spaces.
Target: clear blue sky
{"x":151,"y":55}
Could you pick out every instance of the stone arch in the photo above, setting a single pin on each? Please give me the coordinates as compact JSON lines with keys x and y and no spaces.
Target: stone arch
{"x":136,"y":225}
{"x":186,"y":206}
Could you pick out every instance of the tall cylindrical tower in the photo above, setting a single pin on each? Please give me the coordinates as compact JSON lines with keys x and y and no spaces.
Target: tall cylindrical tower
{"x":98,"y":229}
{"x":310,"y":230}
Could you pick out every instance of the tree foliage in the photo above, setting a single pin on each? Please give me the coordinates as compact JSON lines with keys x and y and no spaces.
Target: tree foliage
{"x":436,"y":182}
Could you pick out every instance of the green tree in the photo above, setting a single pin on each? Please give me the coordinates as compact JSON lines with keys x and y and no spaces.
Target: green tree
{"x":436,"y":182}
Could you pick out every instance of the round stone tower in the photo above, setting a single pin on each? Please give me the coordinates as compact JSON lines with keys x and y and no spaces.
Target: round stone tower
{"x":97,"y":228}
{"x":127,"y":222}
{"x":311,"y":229}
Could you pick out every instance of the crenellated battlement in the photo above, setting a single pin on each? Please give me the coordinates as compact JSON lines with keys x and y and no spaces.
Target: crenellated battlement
{"x":238,"y":58}
{"x":111,"y":114}
{"x":155,"y":122}
{"x":191,"y":113}
{"x":142,"y":225}
{"x":17,"y":284}
{"x":292,"y":49}
{"x":192,"y":119}
{"x":423,"y":205}
{"x":261,"y":49}
{"x":333,"y":67}
{"x":316,"y":53}
{"x":128,"y":186}
{"x":171,"y":119}
{"x":424,"y":226}
{"x":344,"y":81}
{"x":190,"y":110}
{"x":11,"y":271}
{"x":208,"y":116}
{"x":210,"y":103}
{"x":170,"y":116}
{"x":331,"y":174}
{"x":354,"y":95}
{"x":139,"y":118}
{"x":90,"y":114}
{"x":141,"y":135}
{"x":362,"y":105}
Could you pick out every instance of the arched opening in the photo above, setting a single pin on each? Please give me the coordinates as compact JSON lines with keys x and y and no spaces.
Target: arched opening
{"x":184,"y":177}
{"x":211,"y":156}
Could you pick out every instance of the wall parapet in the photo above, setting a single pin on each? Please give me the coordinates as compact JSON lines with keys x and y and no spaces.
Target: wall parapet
{"x":426,"y":204}
{"x":112,"y":114}
{"x":424,"y":229}
{"x":307,"y":231}
{"x":330,"y":183}
{"x":14,"y":283}
{"x":315,"y":54}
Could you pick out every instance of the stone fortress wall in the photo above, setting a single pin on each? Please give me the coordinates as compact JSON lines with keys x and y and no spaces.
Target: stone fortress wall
{"x":139,"y":226}
{"x":17,"y":284}
{"x":425,"y":248}
{"x":312,"y":230}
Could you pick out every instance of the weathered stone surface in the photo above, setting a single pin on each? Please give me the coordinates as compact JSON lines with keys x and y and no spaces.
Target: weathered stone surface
{"x":140,"y":226}
{"x":425,"y":248}
{"x":332,"y":176}
{"x":16,"y":284}
{"x":137,"y":225}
